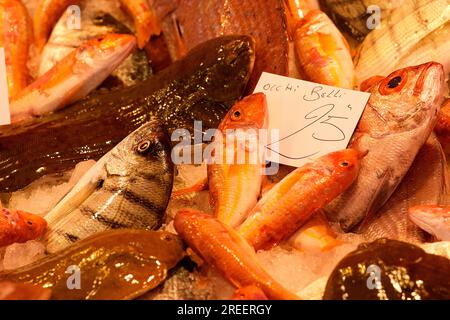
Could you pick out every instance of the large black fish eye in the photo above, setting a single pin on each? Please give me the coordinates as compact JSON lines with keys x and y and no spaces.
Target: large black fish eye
{"x":394,"y":82}
{"x":143,"y":147}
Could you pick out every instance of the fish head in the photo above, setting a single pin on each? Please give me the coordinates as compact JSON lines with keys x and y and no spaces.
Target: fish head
{"x":404,"y":100}
{"x":249,"y":113}
{"x":144,"y":152}
{"x":35,"y":225}
{"x":344,"y":165}
{"x":433,"y":219}
{"x":105,"y":50}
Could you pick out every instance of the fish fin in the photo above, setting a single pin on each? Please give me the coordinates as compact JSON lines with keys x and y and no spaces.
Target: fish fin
{"x":79,"y":193}
{"x":377,"y":202}
{"x":201,"y":185}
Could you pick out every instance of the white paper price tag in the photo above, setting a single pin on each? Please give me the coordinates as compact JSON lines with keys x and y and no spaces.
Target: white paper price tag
{"x":5,"y":117}
{"x":312,"y":119}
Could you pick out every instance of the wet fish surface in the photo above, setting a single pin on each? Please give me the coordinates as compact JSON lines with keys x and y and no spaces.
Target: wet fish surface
{"x":406,"y":272}
{"x":396,"y":122}
{"x":186,"y":23}
{"x":202,"y":86}
{"x":130,"y":189}
{"x":119,"y":255}
{"x":426,"y":182}
{"x":93,"y":24}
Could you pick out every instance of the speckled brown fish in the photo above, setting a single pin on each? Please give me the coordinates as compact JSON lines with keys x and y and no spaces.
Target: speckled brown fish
{"x":114,"y":265}
{"x":389,"y":270}
{"x":202,"y":86}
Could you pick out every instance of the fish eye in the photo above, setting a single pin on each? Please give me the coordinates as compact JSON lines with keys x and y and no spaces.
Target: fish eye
{"x":30,"y":223}
{"x":143,"y":146}
{"x":236,"y":115}
{"x":344,"y":164}
{"x":394,"y":82}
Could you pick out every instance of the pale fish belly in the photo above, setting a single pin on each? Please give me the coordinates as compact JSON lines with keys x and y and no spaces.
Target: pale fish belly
{"x":425,"y":183}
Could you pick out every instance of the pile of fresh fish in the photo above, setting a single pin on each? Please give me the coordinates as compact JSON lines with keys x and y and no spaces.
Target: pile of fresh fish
{"x":111,"y":81}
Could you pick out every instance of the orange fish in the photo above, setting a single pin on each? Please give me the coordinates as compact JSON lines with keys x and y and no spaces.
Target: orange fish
{"x":16,"y":36}
{"x":323,"y":53}
{"x":249,"y":293}
{"x":442,"y":127}
{"x":49,"y":11}
{"x":19,"y":226}
{"x":229,"y":180}
{"x":72,"y":78}
{"x":23,"y":291}
{"x":221,"y":246}
{"x":47,"y":14}
{"x":145,"y":20}
{"x":288,"y":205}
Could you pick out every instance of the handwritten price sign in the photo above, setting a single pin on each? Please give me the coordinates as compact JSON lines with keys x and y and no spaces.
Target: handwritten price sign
{"x":5,"y":117}
{"x":312,"y":119}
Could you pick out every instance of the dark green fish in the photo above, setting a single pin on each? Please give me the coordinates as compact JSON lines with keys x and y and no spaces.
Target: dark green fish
{"x":389,"y":270}
{"x":202,"y":86}
{"x":128,"y":188}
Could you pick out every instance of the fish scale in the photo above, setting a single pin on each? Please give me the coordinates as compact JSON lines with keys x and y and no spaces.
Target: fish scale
{"x":129,"y":188}
{"x":392,"y":129}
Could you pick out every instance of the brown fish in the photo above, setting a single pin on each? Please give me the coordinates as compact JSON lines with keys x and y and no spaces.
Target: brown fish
{"x":186,"y":23}
{"x":397,"y":121}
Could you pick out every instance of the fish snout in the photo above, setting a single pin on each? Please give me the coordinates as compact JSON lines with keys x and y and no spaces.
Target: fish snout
{"x":36,"y":224}
{"x":431,"y":77}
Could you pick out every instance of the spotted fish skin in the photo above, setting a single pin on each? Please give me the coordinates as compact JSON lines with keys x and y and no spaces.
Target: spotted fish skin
{"x":133,"y":183}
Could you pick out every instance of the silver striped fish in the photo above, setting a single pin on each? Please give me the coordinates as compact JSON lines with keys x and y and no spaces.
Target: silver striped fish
{"x":128,"y":188}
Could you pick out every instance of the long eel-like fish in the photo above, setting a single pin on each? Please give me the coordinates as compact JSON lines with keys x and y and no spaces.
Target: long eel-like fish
{"x":202,"y":86}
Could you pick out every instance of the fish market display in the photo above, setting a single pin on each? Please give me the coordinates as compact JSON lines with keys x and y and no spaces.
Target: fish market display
{"x":224,"y":248}
{"x":227,"y":181}
{"x":94,"y":23}
{"x":19,"y":226}
{"x":426,"y":182}
{"x":323,"y":53}
{"x":288,"y":205}
{"x":120,"y":256}
{"x":186,"y":23}
{"x":433,"y":219}
{"x":129,"y":188}
{"x":383,"y":48}
{"x":405,"y":272}
{"x":72,"y":78}
{"x":23,"y":291}
{"x":137,"y":161}
{"x":202,"y":86}
{"x":397,"y":121}
{"x":16,"y":36}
